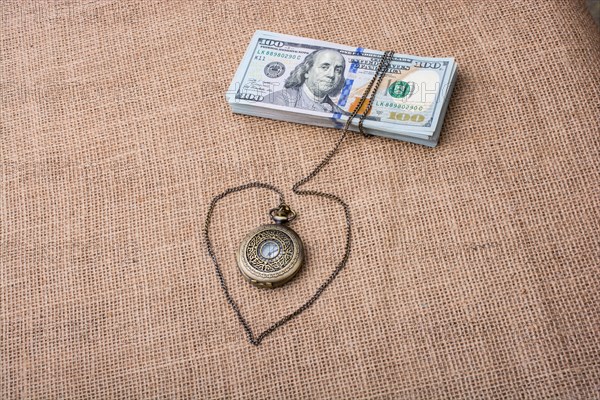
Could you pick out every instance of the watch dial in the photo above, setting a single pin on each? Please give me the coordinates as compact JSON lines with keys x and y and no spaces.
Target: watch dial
{"x":269,"y":249}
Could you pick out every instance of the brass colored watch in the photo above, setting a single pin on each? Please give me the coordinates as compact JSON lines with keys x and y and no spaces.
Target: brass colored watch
{"x":272,"y":254}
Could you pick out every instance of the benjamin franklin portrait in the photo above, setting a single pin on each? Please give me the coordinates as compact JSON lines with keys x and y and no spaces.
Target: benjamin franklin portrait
{"x":313,"y":82}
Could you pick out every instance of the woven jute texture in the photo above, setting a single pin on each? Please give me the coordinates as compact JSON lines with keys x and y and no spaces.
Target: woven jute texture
{"x":474,"y":266}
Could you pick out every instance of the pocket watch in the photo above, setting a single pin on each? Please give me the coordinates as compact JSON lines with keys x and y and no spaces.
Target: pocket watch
{"x":272,"y":254}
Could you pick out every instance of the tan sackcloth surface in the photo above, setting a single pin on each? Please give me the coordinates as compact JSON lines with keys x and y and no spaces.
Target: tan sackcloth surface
{"x":474,"y":267}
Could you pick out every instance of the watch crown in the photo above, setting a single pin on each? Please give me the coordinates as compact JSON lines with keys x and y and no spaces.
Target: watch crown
{"x":282,"y":214}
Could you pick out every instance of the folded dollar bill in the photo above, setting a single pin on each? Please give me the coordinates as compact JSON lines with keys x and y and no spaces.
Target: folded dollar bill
{"x":320,"y":83}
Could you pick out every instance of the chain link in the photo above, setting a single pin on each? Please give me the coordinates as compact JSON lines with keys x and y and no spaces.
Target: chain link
{"x":377,"y":78}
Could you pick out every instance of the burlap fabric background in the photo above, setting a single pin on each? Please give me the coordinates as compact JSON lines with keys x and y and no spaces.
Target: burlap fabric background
{"x":473,"y":272}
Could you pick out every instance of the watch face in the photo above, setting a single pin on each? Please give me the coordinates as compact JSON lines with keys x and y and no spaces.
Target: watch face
{"x":269,"y":249}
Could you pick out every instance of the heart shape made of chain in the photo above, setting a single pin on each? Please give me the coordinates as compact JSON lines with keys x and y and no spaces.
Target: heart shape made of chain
{"x":256,"y":340}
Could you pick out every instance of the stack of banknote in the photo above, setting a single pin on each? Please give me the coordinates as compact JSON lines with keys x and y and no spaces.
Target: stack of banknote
{"x":320,"y":83}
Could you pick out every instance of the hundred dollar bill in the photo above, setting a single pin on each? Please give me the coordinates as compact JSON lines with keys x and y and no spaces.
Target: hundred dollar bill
{"x":315,"y":82}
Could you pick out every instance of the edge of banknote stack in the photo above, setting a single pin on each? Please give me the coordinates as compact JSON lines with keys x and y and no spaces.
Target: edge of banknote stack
{"x":308,"y":81}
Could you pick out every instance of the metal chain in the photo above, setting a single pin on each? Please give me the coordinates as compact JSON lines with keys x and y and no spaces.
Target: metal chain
{"x":377,"y":78}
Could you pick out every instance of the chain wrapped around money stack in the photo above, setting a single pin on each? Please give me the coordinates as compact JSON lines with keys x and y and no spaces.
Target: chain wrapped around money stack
{"x":272,"y":254}
{"x":314,"y":82}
